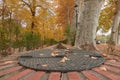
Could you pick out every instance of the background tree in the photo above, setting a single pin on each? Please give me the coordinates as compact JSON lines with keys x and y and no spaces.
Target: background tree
{"x":114,"y":37}
{"x":106,"y":17}
{"x":115,"y":26}
{"x":65,"y":18}
{"x":15,"y":27}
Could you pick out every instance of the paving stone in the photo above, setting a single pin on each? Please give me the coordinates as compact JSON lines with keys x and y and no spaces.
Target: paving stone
{"x":12,"y":71}
{"x":54,"y":76}
{"x":90,"y":75}
{"x":20,"y":75}
{"x":37,"y":75}
{"x":108,"y":74}
{"x":73,"y":76}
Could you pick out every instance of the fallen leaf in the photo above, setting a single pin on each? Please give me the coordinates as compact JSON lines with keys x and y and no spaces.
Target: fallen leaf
{"x":103,"y":68}
{"x":105,"y":55}
{"x":44,"y":65}
{"x":8,"y":62}
{"x":64,"y":59}
{"x":94,"y":57}
{"x":112,"y":60}
{"x":55,"y":53}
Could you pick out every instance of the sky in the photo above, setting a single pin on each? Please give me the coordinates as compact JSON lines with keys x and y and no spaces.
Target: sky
{"x":100,"y":32}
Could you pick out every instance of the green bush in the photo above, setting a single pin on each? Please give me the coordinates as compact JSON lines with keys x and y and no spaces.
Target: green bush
{"x":4,"y":41}
{"x":50,"y":42}
{"x":31,"y":40}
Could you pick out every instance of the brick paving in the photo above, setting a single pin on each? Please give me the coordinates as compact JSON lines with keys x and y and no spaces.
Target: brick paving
{"x":11,"y":70}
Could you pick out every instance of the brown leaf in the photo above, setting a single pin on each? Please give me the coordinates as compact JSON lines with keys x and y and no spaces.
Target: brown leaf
{"x":64,"y":59}
{"x":55,"y":53}
{"x":94,"y":57}
{"x":44,"y":65}
{"x":103,"y":68}
{"x":7,"y":62}
{"x":112,"y":60}
{"x":105,"y":55}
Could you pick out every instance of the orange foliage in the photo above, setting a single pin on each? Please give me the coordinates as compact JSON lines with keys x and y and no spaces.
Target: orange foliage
{"x":65,"y":12}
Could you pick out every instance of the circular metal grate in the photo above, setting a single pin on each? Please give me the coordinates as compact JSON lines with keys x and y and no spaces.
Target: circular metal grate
{"x":77,"y":60}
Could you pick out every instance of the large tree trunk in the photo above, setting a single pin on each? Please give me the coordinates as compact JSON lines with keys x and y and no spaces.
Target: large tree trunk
{"x":86,"y":31}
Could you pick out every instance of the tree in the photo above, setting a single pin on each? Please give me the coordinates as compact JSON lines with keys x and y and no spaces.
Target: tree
{"x":86,"y":31}
{"x":114,"y":37}
{"x":106,"y":17}
{"x":119,"y":34}
{"x":65,"y":18}
{"x":32,"y":5}
{"x":115,"y":26}
{"x":65,"y":12}
{"x":6,"y":33}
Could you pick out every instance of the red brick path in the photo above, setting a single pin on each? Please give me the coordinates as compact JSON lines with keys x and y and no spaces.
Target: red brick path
{"x":10,"y":70}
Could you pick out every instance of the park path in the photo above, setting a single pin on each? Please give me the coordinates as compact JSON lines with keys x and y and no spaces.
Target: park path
{"x":11,"y":70}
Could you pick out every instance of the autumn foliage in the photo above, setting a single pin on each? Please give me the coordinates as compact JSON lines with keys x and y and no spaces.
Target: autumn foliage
{"x":33,"y":23}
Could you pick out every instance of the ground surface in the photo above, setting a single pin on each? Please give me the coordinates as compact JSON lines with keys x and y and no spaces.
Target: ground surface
{"x":11,"y":70}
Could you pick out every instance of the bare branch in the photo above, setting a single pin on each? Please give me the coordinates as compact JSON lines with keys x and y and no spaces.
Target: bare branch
{"x":25,"y":3}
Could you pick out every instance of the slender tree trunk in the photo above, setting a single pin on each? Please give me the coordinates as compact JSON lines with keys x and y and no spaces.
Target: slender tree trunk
{"x":3,"y":11}
{"x":10,"y":28}
{"x":116,"y":21}
{"x":10,"y":33}
{"x":68,"y":25}
{"x":33,"y":22}
{"x":86,"y":31}
{"x":114,"y":33}
{"x":118,"y":38}
{"x":32,"y":6}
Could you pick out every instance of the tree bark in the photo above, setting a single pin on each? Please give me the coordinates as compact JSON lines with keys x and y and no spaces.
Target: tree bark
{"x":32,"y":8}
{"x":119,"y":34}
{"x":119,"y":39}
{"x":116,"y":21}
{"x":79,"y":4}
{"x":86,"y":31}
{"x":114,"y":32}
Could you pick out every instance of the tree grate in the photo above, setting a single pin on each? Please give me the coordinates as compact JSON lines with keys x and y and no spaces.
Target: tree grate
{"x":78,"y":60}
